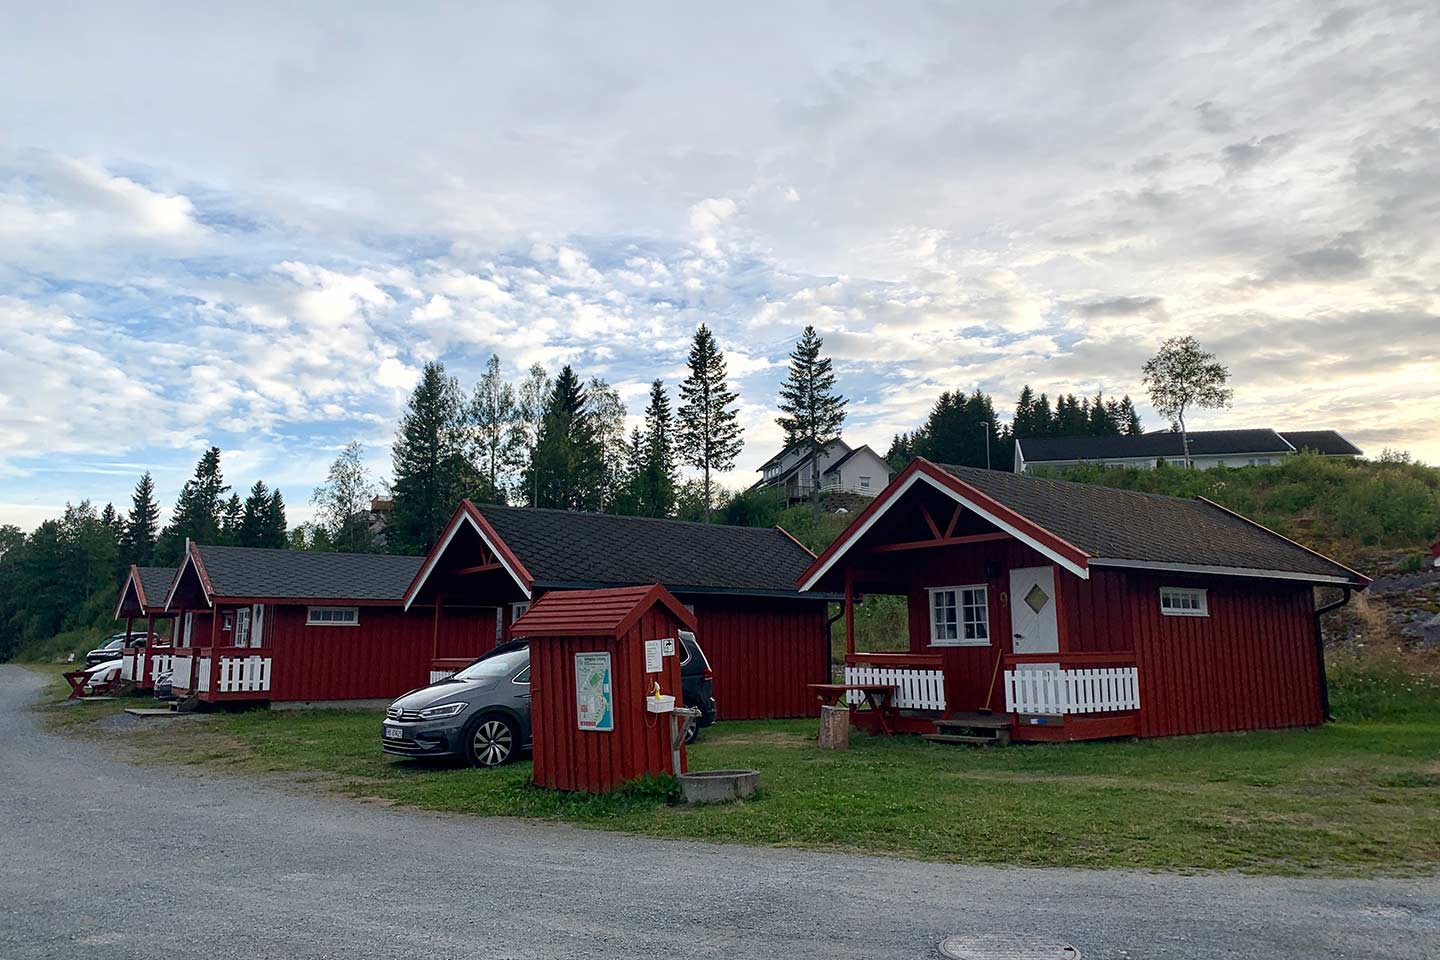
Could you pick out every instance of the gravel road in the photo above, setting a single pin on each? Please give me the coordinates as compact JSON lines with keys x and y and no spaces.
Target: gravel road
{"x":99,"y":858}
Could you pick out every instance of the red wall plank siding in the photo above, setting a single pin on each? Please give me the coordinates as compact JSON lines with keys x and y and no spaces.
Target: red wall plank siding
{"x":765,"y":653}
{"x":387,"y":653}
{"x":1249,"y":665}
{"x":464,"y":631}
{"x":568,"y":758}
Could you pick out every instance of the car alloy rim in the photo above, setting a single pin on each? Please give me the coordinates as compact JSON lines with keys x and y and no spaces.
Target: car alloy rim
{"x":492,"y":742}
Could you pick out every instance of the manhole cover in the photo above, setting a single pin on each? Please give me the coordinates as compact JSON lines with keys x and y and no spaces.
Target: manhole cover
{"x":1002,"y":946}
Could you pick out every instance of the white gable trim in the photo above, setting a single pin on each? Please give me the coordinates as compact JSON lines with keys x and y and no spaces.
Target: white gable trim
{"x":439,"y":552}
{"x":188,"y":562}
{"x":964,"y":501}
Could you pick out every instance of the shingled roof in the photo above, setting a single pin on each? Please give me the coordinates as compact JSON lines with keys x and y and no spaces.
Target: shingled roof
{"x":306,"y":575}
{"x":561,"y":548}
{"x":1083,"y":525}
{"x":1161,"y":444}
{"x":1111,"y":524}
{"x":1327,"y":442}
{"x":155,"y":581}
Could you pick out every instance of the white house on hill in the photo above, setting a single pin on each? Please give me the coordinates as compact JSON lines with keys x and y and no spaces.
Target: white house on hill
{"x":842,"y":468}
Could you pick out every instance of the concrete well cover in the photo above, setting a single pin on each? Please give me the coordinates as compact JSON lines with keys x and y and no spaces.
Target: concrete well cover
{"x":1004,"y":946}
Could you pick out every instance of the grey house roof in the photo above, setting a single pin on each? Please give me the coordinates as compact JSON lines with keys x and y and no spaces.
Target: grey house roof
{"x":1123,"y":525}
{"x":561,"y":548}
{"x":1327,"y":442}
{"x":155,"y":581}
{"x":306,"y":575}
{"x":1166,"y":444}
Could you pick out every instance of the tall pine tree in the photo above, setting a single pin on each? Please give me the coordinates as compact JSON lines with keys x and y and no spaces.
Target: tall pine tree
{"x":276,"y":533}
{"x":142,"y":527}
{"x":708,"y":436}
{"x":428,"y":460}
{"x":198,"y":510}
{"x":497,"y":433}
{"x":255,"y":516}
{"x":659,"y":480}
{"x":813,"y":410}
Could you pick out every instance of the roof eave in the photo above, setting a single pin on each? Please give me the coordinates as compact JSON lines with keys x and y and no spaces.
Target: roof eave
{"x":1221,"y":571}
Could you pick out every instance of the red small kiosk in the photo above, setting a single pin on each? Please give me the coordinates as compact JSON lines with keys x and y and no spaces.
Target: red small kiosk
{"x":596,"y":658}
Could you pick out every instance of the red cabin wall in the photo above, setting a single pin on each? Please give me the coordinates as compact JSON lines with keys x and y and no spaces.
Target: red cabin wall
{"x":385,"y":654}
{"x":464,"y":631}
{"x":765,"y":653}
{"x":568,"y":758}
{"x":1251,"y":664}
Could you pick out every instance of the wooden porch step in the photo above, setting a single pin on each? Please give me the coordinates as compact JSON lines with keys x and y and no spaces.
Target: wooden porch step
{"x":974,"y":721}
{"x":964,"y":738}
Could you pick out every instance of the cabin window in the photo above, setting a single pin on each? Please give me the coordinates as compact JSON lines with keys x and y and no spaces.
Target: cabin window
{"x":1183,"y":602}
{"x":332,"y":616}
{"x":959,"y":616}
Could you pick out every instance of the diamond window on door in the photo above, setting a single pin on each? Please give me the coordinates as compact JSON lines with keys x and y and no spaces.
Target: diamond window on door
{"x":1036,"y":598}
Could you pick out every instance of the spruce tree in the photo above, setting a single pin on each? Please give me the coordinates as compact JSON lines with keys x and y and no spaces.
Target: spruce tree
{"x":198,"y":510}
{"x":255,"y":516}
{"x":1129,"y":419}
{"x":660,"y":480}
{"x":276,"y":532}
{"x":497,"y":433}
{"x":567,"y":466}
{"x":428,"y":461}
{"x":813,"y":411}
{"x":1024,"y":424}
{"x":1044,"y":418}
{"x":142,"y":527}
{"x":708,"y":436}
{"x":631,"y":494}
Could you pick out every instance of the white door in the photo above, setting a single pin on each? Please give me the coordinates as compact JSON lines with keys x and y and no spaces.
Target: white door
{"x":1033,"y":624}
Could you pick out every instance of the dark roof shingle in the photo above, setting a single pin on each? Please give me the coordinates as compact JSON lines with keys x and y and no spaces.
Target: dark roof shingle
{"x":1166,"y":444}
{"x":560,"y":547}
{"x":305,"y":574}
{"x":155,"y":581}
{"x":1327,"y":442}
{"x":1116,"y":524}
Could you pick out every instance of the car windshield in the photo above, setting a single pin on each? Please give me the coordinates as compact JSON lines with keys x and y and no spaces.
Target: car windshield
{"x":500,"y":665}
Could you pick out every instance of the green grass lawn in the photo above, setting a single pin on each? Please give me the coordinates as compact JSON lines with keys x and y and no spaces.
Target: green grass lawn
{"x":1357,"y":797}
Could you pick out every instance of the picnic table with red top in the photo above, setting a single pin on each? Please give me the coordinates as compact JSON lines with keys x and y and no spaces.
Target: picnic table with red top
{"x":880,"y":696}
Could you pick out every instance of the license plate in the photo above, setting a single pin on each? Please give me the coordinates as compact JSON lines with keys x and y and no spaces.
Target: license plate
{"x":394,"y":733}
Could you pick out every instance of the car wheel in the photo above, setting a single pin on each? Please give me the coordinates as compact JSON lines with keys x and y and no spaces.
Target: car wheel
{"x":692,"y":732}
{"x":490,"y":742}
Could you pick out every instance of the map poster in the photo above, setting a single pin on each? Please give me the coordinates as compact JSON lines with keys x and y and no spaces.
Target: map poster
{"x":594,"y":699}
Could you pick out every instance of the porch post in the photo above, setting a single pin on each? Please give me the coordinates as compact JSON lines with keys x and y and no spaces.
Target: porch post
{"x":849,"y":613}
{"x":503,"y":613}
{"x":215,"y":653}
{"x":149,"y":631}
{"x":127,"y":630}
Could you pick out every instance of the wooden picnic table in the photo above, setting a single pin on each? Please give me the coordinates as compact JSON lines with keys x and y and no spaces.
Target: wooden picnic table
{"x":880,"y":697}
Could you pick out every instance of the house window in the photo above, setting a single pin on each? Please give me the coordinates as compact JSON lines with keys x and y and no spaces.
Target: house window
{"x":517,"y":610}
{"x":242,"y":628}
{"x":1183,"y":602}
{"x":332,"y":616}
{"x":864,"y":483}
{"x":959,"y":616}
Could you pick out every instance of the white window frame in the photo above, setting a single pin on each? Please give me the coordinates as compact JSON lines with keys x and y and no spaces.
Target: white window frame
{"x":312,"y":620}
{"x":1199,"y":595}
{"x":864,"y":483}
{"x":959,"y":640}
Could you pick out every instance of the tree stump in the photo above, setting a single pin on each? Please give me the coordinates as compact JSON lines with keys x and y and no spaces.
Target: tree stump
{"x":834,"y":728}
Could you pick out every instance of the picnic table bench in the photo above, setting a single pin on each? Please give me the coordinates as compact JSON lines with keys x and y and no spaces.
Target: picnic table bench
{"x":880,"y":697}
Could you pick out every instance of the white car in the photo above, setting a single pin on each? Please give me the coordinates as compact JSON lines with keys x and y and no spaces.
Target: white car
{"x":102,"y":673}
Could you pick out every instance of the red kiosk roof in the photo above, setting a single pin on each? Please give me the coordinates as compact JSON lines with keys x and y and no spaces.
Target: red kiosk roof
{"x":609,"y":612}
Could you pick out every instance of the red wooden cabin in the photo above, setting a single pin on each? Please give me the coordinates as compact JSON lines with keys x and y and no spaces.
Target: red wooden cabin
{"x":1079,"y":611}
{"x":765,"y":640}
{"x":292,"y":626}
{"x":143,"y":595}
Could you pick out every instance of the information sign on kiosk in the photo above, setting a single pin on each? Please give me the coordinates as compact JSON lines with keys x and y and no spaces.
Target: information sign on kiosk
{"x":603,"y":687}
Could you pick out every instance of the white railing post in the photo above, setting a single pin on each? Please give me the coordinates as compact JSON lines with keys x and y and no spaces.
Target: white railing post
{"x":1087,"y":690}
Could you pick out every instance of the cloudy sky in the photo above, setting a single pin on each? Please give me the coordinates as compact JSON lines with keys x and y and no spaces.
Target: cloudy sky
{"x":252,"y":229}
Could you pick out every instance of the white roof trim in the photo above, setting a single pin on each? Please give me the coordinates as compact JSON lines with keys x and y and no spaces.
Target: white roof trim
{"x":189,"y":561}
{"x":899,"y":492}
{"x":439,"y":551}
{"x":1219,"y":571}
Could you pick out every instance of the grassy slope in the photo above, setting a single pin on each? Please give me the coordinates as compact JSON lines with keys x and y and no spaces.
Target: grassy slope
{"x":1357,"y":797}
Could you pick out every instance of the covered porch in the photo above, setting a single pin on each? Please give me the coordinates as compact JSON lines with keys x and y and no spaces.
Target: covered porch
{"x":1005,"y":639}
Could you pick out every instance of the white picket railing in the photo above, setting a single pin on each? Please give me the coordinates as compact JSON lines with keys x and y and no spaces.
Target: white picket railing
{"x":915,"y":689}
{"x":1050,"y":690}
{"x":180,"y":666}
{"x":202,"y":675}
{"x":244,"y":674}
{"x":161,"y":663}
{"x":128,"y":669}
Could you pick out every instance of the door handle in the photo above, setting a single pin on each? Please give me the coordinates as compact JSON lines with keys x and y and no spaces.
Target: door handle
{"x":1019,"y":636}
